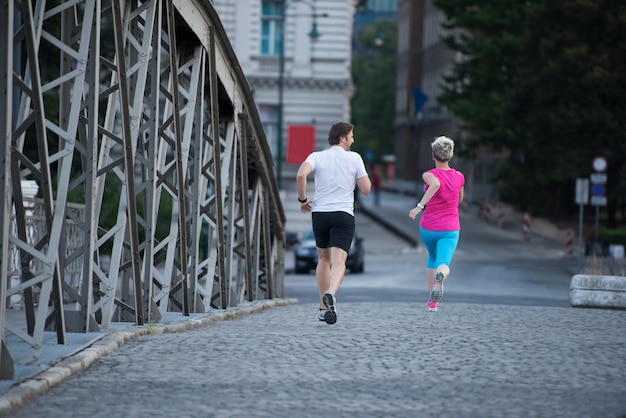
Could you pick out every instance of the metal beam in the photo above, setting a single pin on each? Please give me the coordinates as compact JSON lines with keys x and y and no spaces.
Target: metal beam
{"x":156,"y":188}
{"x":6,"y":116}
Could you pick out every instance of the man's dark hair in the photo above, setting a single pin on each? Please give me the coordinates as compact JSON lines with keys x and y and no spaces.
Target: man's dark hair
{"x":337,"y":131}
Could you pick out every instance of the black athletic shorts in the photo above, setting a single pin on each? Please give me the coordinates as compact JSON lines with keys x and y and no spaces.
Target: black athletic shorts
{"x":333,"y":229}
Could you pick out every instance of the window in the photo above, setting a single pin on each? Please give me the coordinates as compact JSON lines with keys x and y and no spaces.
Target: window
{"x":269,"y":118}
{"x":272,"y":22}
{"x":383,"y":5}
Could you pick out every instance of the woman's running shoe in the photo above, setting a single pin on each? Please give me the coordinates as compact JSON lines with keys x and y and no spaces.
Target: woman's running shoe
{"x":437,"y":293}
{"x":432,"y":306}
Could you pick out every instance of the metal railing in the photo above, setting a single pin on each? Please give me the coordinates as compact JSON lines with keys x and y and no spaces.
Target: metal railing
{"x":139,"y":106}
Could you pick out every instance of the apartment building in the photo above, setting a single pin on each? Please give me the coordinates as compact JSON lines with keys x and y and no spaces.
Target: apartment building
{"x":297,"y":56}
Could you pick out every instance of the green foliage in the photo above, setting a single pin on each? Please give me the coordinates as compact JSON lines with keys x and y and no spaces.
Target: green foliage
{"x":544,"y":82}
{"x":572,"y":92}
{"x":361,"y":4}
{"x":613,"y":235}
{"x":110,"y":202}
{"x":490,"y":36}
{"x":374,"y":74}
{"x":164,"y":217}
{"x":110,"y":208}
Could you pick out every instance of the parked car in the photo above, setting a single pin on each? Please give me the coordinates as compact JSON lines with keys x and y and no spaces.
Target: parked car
{"x":291,"y":239}
{"x":306,"y":254}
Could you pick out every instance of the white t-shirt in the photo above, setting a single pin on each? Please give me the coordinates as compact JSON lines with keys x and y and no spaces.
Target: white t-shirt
{"x":336,"y":171}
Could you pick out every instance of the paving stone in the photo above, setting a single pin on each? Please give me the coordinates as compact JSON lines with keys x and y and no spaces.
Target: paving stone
{"x":379,"y":360}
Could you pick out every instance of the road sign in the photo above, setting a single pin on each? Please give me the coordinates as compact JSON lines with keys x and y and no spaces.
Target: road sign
{"x":598,"y":178}
{"x":598,"y":194}
{"x":582,"y":191}
{"x":598,"y":200}
{"x":598,"y":189}
{"x":599,"y":164}
{"x":598,"y":182}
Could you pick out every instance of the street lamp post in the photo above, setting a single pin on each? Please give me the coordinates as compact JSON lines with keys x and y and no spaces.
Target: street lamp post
{"x":314,"y":34}
{"x":281,"y":88}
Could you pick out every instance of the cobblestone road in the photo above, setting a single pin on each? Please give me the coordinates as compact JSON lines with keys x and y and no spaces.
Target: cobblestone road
{"x":379,"y":360}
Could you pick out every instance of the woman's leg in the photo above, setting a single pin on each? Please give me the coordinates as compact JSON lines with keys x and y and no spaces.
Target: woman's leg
{"x":444,"y":270}
{"x":440,"y":246}
{"x":430,"y":278}
{"x":446,"y":246}
{"x":429,"y":238}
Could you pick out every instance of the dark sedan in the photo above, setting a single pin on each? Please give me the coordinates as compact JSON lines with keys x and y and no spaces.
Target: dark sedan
{"x":306,"y":254}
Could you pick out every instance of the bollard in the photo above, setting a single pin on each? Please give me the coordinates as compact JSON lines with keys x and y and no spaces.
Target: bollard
{"x":526,"y":226}
{"x":597,"y":291}
{"x":569,"y":242}
{"x":484,"y":210}
{"x":500,"y":211}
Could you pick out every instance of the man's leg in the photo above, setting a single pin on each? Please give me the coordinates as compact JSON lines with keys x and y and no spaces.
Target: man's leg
{"x":337,"y":257}
{"x":337,"y":268}
{"x":322,"y":272}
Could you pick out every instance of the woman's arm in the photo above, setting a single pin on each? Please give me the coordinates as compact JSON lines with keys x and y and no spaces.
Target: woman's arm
{"x":433,"y":186}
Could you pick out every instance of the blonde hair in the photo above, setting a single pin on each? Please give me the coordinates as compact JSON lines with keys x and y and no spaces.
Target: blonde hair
{"x":443,"y":148}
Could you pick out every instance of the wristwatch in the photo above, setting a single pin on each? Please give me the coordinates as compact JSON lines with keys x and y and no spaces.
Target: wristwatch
{"x":303,"y":200}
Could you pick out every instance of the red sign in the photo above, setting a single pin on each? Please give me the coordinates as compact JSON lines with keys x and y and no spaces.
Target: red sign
{"x":300,"y":143}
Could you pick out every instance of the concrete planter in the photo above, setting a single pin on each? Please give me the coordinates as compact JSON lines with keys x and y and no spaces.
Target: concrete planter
{"x":593,"y":291}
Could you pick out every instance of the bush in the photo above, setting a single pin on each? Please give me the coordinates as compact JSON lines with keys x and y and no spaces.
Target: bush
{"x":613,"y":235}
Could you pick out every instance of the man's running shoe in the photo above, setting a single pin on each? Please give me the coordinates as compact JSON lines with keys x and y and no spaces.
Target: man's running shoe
{"x":331,"y":310}
{"x":437,"y":293}
{"x":432,"y":306}
{"x":321,"y":314}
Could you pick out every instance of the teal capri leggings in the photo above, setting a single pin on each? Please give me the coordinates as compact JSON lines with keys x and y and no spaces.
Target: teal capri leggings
{"x":440,"y":246}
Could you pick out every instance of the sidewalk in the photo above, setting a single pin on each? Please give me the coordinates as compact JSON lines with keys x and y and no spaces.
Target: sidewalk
{"x":58,"y":362}
{"x":397,"y":200}
{"x":392,"y":213}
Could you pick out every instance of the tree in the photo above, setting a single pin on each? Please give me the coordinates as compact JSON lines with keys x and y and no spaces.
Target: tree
{"x":361,"y":4}
{"x":570,"y":100}
{"x":489,"y":35}
{"x":374,"y":74}
{"x":543,"y":81}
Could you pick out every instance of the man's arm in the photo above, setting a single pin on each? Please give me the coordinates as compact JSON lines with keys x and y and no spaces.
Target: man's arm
{"x":364,"y":184}
{"x":304,"y":170}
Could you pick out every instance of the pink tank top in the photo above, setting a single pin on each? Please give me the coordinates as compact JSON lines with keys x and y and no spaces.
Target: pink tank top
{"x":442,"y":211}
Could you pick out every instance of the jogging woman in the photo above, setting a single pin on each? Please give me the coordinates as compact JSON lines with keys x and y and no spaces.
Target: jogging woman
{"x":440,"y":225}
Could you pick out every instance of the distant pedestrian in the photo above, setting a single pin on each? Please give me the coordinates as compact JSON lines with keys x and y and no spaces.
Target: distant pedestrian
{"x":337,"y":171}
{"x":440,"y":225}
{"x":376,"y":185}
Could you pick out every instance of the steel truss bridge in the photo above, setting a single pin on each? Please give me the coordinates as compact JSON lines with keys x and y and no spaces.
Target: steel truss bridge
{"x":156,"y":192}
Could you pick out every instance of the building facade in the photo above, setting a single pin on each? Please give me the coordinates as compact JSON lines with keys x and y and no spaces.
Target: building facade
{"x":311,"y":41}
{"x":422,"y":61}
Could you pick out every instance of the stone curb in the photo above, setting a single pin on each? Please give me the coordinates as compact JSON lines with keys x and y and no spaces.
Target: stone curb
{"x":390,"y":226}
{"x":23,"y":391}
{"x":596,"y":291}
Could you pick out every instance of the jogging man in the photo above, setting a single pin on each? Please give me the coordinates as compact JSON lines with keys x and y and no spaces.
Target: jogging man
{"x":337,"y":172}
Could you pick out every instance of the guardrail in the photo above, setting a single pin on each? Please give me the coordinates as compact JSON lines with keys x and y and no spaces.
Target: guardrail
{"x":143,"y":104}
